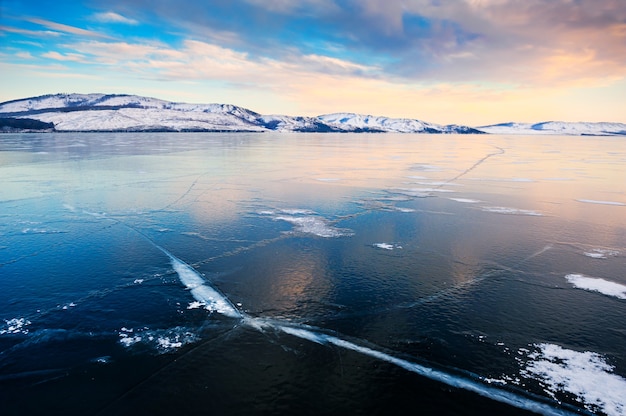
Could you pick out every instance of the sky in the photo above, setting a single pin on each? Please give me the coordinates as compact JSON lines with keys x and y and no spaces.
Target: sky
{"x":472,"y":62}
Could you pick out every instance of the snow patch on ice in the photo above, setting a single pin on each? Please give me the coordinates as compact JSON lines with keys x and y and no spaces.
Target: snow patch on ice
{"x":162,"y":341}
{"x":512,"y":211}
{"x":15,"y":326}
{"x":314,"y":225}
{"x":586,"y":375}
{"x":420,"y":191}
{"x":41,"y":231}
{"x":200,"y":290}
{"x":196,"y":305}
{"x":593,"y":201}
{"x":595,"y":284}
{"x":307,"y":221}
{"x":437,"y":183}
{"x":127,"y":338}
{"x":297,"y":211}
{"x":465,"y":200}
{"x":401,"y":209}
{"x":387,"y":246}
{"x":601,"y":253}
{"x":425,"y":168}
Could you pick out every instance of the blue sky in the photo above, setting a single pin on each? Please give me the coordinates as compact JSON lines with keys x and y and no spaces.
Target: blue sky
{"x":463,"y":61}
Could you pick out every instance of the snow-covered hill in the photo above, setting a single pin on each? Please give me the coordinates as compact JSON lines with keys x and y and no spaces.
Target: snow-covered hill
{"x":118,"y":112}
{"x":558,"y":127}
{"x":102,"y":112}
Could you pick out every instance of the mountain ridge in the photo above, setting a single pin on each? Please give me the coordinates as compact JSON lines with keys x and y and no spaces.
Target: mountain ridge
{"x":124,"y":112}
{"x":99,"y":112}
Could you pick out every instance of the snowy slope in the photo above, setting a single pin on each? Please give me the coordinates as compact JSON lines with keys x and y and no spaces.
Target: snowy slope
{"x":119,"y":112}
{"x":350,"y":121}
{"x":557,"y":127}
{"x":138,"y":119}
{"x":102,"y":112}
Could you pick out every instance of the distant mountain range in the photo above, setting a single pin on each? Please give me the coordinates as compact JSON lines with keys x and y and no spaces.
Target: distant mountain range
{"x":131,"y":113}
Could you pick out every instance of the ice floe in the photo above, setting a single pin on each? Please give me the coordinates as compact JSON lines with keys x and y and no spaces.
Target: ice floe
{"x":595,"y":284}
{"x":586,"y":375}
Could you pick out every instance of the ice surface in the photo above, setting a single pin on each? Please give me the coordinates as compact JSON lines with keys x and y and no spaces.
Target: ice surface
{"x":483,"y":389}
{"x":512,"y":211}
{"x":595,"y":284}
{"x":593,"y":201}
{"x":586,"y":375}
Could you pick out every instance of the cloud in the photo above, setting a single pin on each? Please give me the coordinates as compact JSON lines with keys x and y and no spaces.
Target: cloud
{"x":33,"y":33}
{"x":66,"y":28}
{"x":112,"y":17}
{"x":71,"y":57}
{"x":534,"y":42}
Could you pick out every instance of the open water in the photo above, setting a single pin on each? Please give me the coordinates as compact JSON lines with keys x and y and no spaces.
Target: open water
{"x":246,"y":274}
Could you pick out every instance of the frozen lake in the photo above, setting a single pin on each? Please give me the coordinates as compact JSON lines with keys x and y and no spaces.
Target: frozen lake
{"x":312,"y":274}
